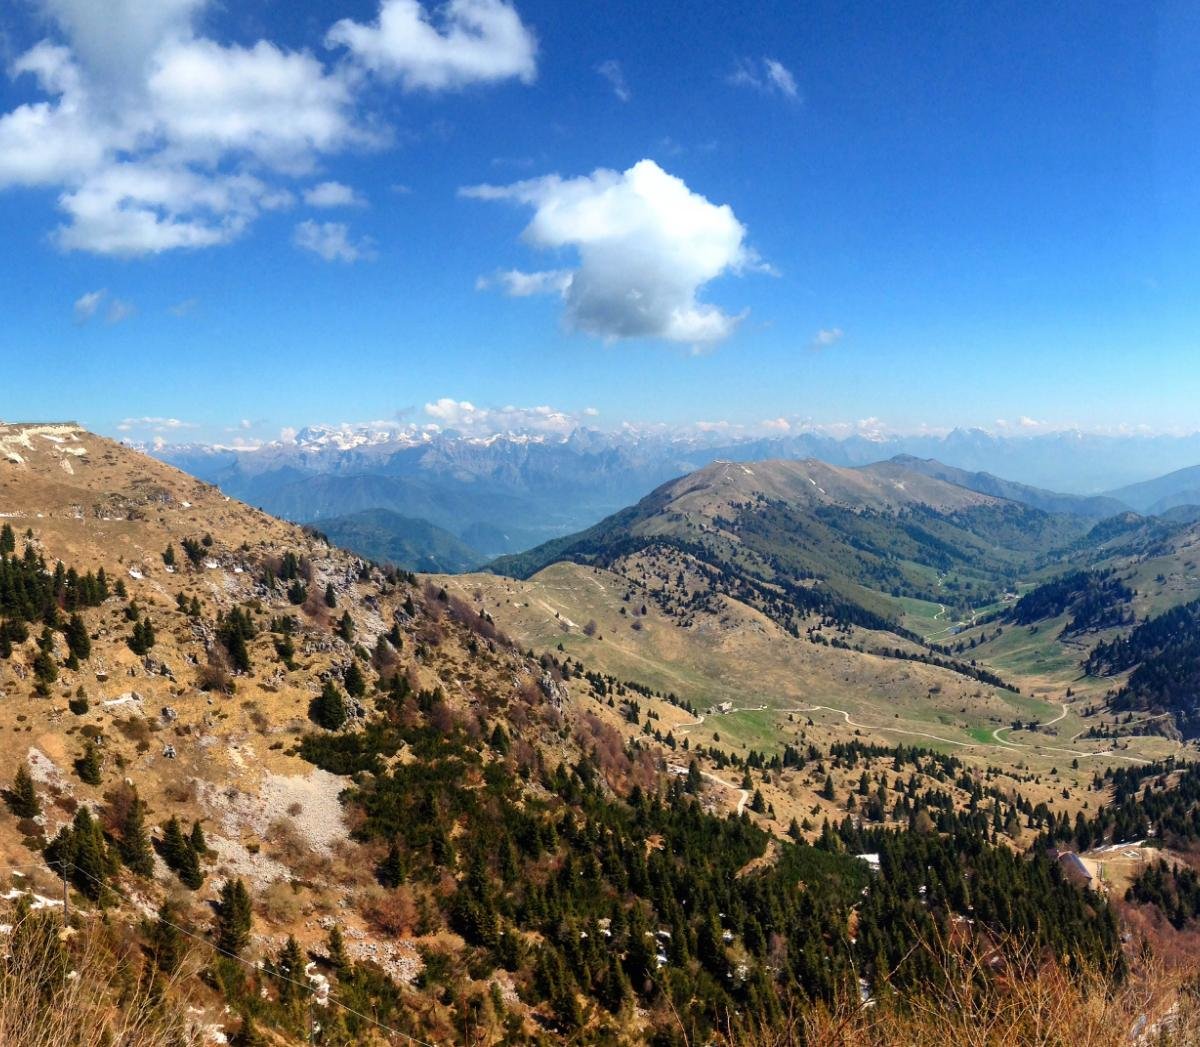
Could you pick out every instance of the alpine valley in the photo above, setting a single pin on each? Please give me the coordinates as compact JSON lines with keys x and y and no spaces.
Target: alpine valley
{"x":780,"y":738}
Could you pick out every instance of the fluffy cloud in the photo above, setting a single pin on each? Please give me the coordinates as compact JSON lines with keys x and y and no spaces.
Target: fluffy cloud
{"x":86,"y":305}
{"x":465,"y":417}
{"x":473,"y":41}
{"x":768,"y":75}
{"x":332,"y":194}
{"x":159,"y":138}
{"x":612,"y":72}
{"x":646,"y":243}
{"x":282,"y":108}
{"x":331,"y":240}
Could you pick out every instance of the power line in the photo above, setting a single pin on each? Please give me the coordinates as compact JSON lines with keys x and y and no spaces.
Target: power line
{"x":233,"y":956}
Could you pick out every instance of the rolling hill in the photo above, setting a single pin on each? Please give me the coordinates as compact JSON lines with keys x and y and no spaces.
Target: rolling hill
{"x":807,"y":536}
{"x":1092,"y":507}
{"x":1163,"y":493}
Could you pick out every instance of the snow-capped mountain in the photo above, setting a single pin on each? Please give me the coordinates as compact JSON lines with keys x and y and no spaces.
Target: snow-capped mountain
{"x":505,"y":491}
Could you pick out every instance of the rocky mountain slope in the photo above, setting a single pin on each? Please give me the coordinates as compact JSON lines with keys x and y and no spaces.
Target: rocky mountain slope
{"x":291,"y":795}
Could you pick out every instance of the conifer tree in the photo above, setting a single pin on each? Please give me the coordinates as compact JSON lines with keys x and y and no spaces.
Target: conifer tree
{"x":391,"y":870}
{"x":198,"y":842}
{"x":289,"y":970}
{"x":330,"y":596}
{"x":336,"y":949}
{"x":356,"y":683}
{"x":78,"y":641}
{"x":22,"y":798}
{"x":328,"y":709}
{"x":135,"y":848}
{"x":89,"y":765}
{"x":166,"y":942}
{"x":234,"y":918}
{"x":346,"y":627}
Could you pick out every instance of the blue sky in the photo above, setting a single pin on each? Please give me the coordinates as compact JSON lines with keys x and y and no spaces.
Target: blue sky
{"x":272,"y":214}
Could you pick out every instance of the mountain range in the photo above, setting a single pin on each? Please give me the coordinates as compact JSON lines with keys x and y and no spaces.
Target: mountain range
{"x":509,"y":492}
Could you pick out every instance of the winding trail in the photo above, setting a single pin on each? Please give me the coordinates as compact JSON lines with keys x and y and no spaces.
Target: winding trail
{"x":743,"y":794}
{"x":1000,"y":743}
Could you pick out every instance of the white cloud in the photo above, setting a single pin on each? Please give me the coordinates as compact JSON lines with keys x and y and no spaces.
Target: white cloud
{"x":135,"y":209}
{"x":86,"y":305}
{"x":467,"y":418}
{"x":159,"y":138}
{"x":331,"y":240}
{"x":280,"y":107}
{"x":768,"y":75}
{"x":119,"y":310}
{"x":153,"y":424}
{"x":826,"y":337}
{"x":612,"y":72}
{"x":472,"y":41}
{"x":517,"y":284}
{"x":646,"y":243}
{"x":183,"y":308}
{"x":332,"y":194}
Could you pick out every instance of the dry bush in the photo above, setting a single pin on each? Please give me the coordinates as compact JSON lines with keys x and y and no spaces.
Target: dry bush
{"x":1029,"y":1001}
{"x":215,"y":674}
{"x":279,"y":903}
{"x":393,"y":912}
{"x":90,"y":991}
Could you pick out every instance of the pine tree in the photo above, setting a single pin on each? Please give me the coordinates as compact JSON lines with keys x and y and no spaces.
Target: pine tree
{"x":330,"y":596}
{"x":135,"y":849}
{"x":356,"y":683}
{"x":78,"y":641}
{"x":234,"y":918}
{"x":328,"y":710}
{"x":22,"y":798}
{"x":88,"y":766}
{"x":336,"y":949}
{"x":289,"y":969}
{"x":198,"y":842}
{"x":8,"y":540}
{"x":346,"y":627}
{"x":391,"y":870}
{"x":166,"y":942}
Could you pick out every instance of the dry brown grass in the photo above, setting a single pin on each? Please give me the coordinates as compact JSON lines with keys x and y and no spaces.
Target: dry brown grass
{"x":87,"y":989}
{"x":1026,"y":1002}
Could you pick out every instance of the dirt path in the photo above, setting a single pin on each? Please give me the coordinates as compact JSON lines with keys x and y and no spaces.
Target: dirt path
{"x":743,"y":794}
{"x":1001,"y":743}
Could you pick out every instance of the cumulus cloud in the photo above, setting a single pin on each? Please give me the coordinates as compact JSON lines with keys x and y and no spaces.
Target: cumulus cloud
{"x":159,"y":138}
{"x":331,"y":241}
{"x":647,"y":246}
{"x":612,"y":72}
{"x":467,"y":418}
{"x":151,"y":424}
{"x":471,"y":41}
{"x":86,"y":305}
{"x":768,"y":75}
{"x":332,"y":194}
{"x":826,"y":337}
